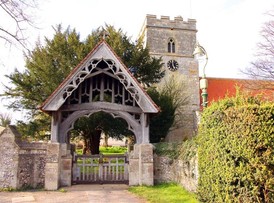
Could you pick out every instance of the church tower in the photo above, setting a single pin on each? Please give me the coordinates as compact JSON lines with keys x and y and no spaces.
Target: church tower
{"x":174,"y":41}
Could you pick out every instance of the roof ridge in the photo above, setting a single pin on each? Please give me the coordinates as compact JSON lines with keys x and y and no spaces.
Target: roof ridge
{"x":71,"y":73}
{"x":74,"y":70}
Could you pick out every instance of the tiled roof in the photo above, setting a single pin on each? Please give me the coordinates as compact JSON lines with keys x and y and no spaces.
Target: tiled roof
{"x":218,"y":88}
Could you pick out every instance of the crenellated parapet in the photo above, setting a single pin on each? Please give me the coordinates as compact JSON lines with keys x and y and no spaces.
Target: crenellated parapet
{"x":165,"y":21}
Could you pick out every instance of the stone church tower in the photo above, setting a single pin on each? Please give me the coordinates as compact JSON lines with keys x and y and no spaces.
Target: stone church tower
{"x":174,"y":41}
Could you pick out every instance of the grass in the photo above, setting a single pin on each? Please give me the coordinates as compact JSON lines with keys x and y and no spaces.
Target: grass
{"x":108,"y":150}
{"x":164,"y":193}
{"x":8,"y":189}
{"x":62,"y":190}
{"x":113,"y":150}
{"x":22,"y":189}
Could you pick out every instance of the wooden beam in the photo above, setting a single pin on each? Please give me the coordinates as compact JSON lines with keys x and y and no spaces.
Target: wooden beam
{"x":102,"y":106}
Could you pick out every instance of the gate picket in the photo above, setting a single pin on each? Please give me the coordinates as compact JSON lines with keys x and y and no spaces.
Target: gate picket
{"x":100,"y":169}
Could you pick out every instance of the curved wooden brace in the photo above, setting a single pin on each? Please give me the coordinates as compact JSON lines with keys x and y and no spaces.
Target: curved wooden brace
{"x":68,"y":124}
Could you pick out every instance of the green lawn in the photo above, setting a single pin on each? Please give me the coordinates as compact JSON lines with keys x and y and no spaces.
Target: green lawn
{"x":164,"y":193}
{"x":113,"y":150}
{"x":108,"y":150}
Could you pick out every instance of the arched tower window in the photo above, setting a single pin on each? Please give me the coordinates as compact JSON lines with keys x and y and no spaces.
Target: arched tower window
{"x":171,"y":46}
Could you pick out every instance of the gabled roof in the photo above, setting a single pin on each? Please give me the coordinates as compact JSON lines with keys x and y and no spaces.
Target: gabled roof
{"x":101,"y":52}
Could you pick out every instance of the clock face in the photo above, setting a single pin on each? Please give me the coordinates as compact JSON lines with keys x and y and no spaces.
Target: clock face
{"x":172,"y":65}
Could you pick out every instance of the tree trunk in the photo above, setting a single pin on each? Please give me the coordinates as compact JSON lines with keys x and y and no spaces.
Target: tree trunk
{"x":106,"y":140}
{"x":95,"y":142}
{"x":86,"y":146}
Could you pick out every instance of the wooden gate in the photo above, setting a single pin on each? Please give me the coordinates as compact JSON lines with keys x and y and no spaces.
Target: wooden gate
{"x":100,"y":169}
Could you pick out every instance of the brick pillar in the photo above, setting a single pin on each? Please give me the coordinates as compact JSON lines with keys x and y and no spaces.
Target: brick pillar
{"x":52,"y":169}
{"x":141,"y":165}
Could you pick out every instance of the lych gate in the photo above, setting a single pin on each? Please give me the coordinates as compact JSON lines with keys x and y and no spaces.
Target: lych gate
{"x":101,"y":82}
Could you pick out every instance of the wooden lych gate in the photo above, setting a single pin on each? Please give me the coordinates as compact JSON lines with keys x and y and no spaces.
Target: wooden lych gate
{"x":101,"y":82}
{"x":100,"y":169}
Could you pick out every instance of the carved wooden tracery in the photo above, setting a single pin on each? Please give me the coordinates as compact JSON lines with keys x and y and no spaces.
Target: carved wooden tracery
{"x":99,"y":83}
{"x":101,"y":80}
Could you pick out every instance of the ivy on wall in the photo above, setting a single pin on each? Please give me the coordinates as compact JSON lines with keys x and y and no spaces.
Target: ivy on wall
{"x":171,"y":150}
{"x":185,"y":150}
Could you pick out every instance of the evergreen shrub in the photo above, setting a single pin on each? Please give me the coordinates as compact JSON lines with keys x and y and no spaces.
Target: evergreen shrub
{"x":236,"y":151}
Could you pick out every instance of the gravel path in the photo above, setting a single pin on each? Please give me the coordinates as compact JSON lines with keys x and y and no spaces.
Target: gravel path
{"x":108,"y":193}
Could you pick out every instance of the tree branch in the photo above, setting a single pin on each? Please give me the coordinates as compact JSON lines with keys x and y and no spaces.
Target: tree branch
{"x":17,"y":11}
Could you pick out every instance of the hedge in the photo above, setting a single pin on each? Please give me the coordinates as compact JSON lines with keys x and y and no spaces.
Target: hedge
{"x":236,"y":151}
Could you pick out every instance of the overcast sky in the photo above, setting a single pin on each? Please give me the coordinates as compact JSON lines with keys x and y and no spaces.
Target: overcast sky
{"x":227,"y":29}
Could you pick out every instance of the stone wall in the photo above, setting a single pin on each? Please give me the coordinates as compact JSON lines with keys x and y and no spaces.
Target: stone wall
{"x":22,"y":164}
{"x":180,"y":171}
{"x":31,"y":165}
{"x":48,"y":165}
{"x":9,"y":156}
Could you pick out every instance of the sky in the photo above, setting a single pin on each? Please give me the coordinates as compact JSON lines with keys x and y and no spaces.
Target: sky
{"x":228,"y":29}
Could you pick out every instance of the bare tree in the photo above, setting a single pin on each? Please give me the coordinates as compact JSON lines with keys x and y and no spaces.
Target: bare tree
{"x":174,"y":86}
{"x":16,"y":18}
{"x":262,"y":69}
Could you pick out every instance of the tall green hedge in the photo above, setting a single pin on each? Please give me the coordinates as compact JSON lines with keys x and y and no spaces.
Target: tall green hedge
{"x":236,"y":151}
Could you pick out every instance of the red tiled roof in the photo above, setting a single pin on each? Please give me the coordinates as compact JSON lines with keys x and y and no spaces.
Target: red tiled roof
{"x":218,"y":88}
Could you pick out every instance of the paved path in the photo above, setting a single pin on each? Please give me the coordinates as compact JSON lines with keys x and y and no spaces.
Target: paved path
{"x":108,"y":193}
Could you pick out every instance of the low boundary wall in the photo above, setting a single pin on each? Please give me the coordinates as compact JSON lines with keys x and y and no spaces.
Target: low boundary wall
{"x":22,"y":164}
